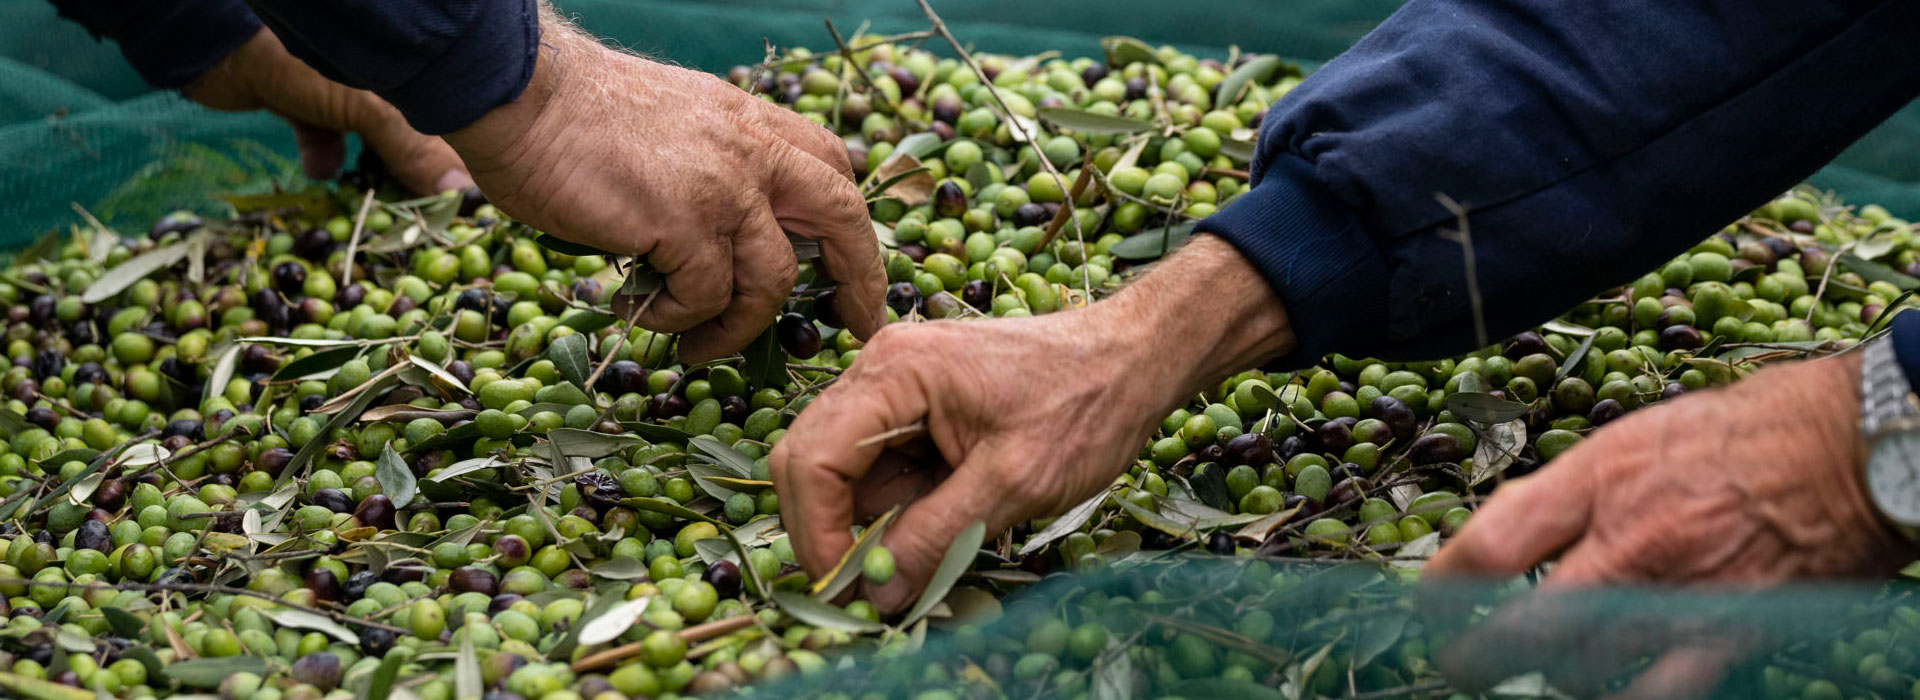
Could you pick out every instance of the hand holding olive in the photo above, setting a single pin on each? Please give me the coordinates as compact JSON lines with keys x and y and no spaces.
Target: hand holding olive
{"x":1754,"y":484}
{"x":641,"y":158}
{"x":262,"y":75}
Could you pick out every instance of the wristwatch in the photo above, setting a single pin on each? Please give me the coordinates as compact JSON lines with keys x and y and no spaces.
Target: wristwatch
{"x":1890,"y":421}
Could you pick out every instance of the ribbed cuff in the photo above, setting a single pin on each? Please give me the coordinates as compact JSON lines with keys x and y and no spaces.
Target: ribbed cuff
{"x":1315,"y":253}
{"x":487,"y":67}
{"x":1905,"y":333}
{"x":177,"y":42}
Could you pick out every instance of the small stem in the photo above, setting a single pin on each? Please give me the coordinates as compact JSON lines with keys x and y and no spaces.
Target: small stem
{"x":902,"y":431}
{"x":353,"y":241}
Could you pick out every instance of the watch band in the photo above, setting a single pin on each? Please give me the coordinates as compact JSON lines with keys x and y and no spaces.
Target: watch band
{"x":1885,"y":394}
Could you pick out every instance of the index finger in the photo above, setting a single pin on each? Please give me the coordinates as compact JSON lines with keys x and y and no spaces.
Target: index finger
{"x":1527,"y":521}
{"x":826,"y":450}
{"x":812,"y":200}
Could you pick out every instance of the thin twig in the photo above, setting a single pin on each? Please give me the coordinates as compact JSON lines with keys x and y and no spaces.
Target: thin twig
{"x":913,"y":428}
{"x":353,"y":241}
{"x":695,"y":633}
{"x":846,"y":53}
{"x":1465,"y":238}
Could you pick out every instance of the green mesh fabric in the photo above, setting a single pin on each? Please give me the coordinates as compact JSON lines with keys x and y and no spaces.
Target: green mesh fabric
{"x":78,"y":126}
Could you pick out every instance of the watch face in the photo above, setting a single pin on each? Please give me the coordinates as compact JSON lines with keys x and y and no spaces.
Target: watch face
{"x":1893,"y":476}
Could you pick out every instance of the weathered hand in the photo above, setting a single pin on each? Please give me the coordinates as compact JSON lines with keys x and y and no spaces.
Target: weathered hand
{"x":641,"y":158}
{"x":1752,"y":485}
{"x":1033,"y":415}
{"x":262,"y":75}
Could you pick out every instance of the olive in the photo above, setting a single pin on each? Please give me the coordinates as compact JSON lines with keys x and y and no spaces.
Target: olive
{"x":93,"y":535}
{"x":43,"y":417}
{"x":1672,"y":390}
{"x":977,"y":294}
{"x":1220,"y":543}
{"x":665,"y":405}
{"x":111,"y":494}
{"x":375,"y":641}
{"x":184,"y":427}
{"x":1524,"y":344}
{"x":89,"y":373}
{"x":949,"y":200}
{"x":320,"y":669}
{"x":1348,"y":490}
{"x":710,"y":683}
{"x":825,"y":311}
{"x":735,"y":409}
{"x":1681,"y":337}
{"x":1031,"y":214}
{"x":915,"y":252}
{"x":798,"y":336}
{"x":314,"y":245}
{"x":174,"y":223}
{"x":623,"y":377}
{"x":49,"y":362}
{"x":1248,"y":448}
{"x":351,"y":295}
{"x":324,"y":583}
{"x":903,"y":297}
{"x":472,"y":579}
{"x":947,"y":108}
{"x":376,"y":510}
{"x":1605,"y":411}
{"x":724,"y":576}
{"x":1335,"y":435}
{"x":334,"y":500}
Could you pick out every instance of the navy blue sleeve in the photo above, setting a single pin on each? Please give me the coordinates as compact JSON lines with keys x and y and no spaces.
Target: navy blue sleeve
{"x":169,"y":42}
{"x":1590,"y":140}
{"x":442,"y":63}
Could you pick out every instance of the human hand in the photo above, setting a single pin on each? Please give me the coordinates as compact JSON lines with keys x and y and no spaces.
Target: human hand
{"x":1032,"y":415}
{"x":1753,"y":485}
{"x":641,"y":158}
{"x":262,"y":75}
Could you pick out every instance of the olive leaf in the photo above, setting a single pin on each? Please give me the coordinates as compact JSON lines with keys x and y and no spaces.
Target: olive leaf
{"x":207,"y":673}
{"x":1378,"y":634}
{"x":1257,"y":531}
{"x":766,"y":361}
{"x":919,"y":146}
{"x":670,"y":508}
{"x":1149,"y":245}
{"x":1067,"y":524}
{"x":28,"y":687}
{"x":467,"y":683}
{"x":847,"y":569}
{"x":12,"y":423}
{"x":1876,"y":245}
{"x":156,"y":671}
{"x":1564,"y":328}
{"x":1573,"y":359}
{"x":1876,"y":272}
{"x":222,"y":372}
{"x":884,"y":234}
{"x":1153,"y":519}
{"x":137,"y":268}
{"x":622,"y":568}
{"x":1257,"y":71}
{"x":464,"y":467}
{"x":723,"y":456}
{"x":587,"y":322}
{"x":703,"y":476}
{"x":980,"y":175}
{"x":956,"y":562}
{"x":821,"y":614}
{"x":569,"y":355}
{"x":457,"y":436}
{"x":441,"y":373}
{"x":657,"y":434}
{"x":301,"y":619}
{"x":1092,"y":123}
{"x":574,"y":442}
{"x":1209,"y":483}
{"x":1300,"y":675}
{"x":395,"y":477}
{"x":609,"y":625}
{"x":1484,"y":408}
{"x":409,"y":412}
{"x":78,"y":495}
{"x":715,"y":549}
{"x":1238,"y":150}
{"x":123,"y":623}
{"x":367,"y":393}
{"x":380,"y":687}
{"x":1124,"y":50}
{"x":1112,"y":676}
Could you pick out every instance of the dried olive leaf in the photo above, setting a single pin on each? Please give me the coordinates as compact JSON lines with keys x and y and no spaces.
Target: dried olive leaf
{"x":569,"y":355}
{"x":1091,"y":123}
{"x":1499,"y":445}
{"x":1257,"y":531}
{"x":207,"y":673}
{"x":1484,"y":408}
{"x":902,"y":177}
{"x":395,"y":477}
{"x":611,"y":624}
{"x":846,"y":570}
{"x":467,"y":683}
{"x":408,"y":412}
{"x":958,"y":559}
{"x":301,"y":619}
{"x":766,"y":361}
{"x":1123,"y":50}
{"x":1574,"y":358}
{"x":821,"y":614}
{"x":1258,"y":71}
{"x":137,"y":268}
{"x":1152,"y":244}
{"x":222,"y":371}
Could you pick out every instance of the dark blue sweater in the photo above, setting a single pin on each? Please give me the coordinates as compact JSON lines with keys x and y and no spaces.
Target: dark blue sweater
{"x":1590,"y":140}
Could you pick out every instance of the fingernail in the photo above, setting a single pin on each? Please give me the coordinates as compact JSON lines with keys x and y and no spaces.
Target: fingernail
{"x":455,"y":179}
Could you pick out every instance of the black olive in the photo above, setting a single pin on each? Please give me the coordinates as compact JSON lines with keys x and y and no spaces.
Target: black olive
{"x":949,"y":200}
{"x":825,"y":311}
{"x":1031,"y":214}
{"x":903,"y":297}
{"x":1605,"y":411}
{"x":1220,"y":543}
{"x":320,"y":669}
{"x":324,"y":584}
{"x":1395,"y":413}
{"x":183,"y":427}
{"x":334,"y":500}
{"x":43,"y":417}
{"x":725,"y":578}
{"x":473,"y":579}
{"x":667,"y":406}
{"x":735,"y":409}
{"x":798,"y":336}
{"x":376,"y":511}
{"x":1436,"y":448}
{"x":375,"y":642}
{"x":1524,"y":344}
{"x":93,"y":535}
{"x":49,"y":362}
{"x":977,"y":294}
{"x":356,"y":586}
{"x":1249,"y":448}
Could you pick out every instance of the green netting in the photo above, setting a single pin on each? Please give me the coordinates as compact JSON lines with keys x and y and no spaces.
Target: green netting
{"x":76,"y":123}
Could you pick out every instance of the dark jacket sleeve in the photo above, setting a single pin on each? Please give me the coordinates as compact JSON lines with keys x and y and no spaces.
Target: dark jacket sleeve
{"x":1591,"y":141}
{"x":443,"y":63}
{"x":169,"y":42}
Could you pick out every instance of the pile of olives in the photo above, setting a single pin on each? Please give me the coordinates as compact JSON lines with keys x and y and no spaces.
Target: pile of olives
{"x":331,"y":446}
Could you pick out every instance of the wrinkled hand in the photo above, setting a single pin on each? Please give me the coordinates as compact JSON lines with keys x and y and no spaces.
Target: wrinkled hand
{"x":1752,"y":485}
{"x":1033,"y":415}
{"x":262,"y":75}
{"x":640,"y":158}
